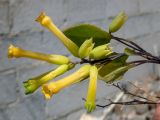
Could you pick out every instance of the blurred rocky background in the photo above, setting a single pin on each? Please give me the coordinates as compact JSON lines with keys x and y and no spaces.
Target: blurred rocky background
{"x":18,"y":27}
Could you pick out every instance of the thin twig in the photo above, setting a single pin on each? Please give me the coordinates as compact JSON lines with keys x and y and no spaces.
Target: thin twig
{"x":129,"y":93}
{"x":132,"y":43}
{"x":119,"y":40}
{"x":109,"y":109}
{"x":135,"y":46}
{"x":143,"y":61}
{"x":132,"y":102}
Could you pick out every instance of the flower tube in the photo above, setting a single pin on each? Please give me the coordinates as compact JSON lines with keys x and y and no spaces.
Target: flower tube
{"x":33,"y":84}
{"x":51,"y":58}
{"x":54,"y":87}
{"x":46,"y":21}
{"x":90,"y":104}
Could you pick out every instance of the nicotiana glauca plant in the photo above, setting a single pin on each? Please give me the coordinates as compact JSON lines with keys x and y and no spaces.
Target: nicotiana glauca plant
{"x":92,"y":46}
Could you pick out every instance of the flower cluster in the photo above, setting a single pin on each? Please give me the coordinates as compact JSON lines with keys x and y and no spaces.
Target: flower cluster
{"x":87,"y":51}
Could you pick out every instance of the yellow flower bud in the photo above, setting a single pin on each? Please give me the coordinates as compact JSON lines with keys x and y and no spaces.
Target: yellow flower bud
{"x":118,"y":22}
{"x":54,"y":87}
{"x":46,"y":21}
{"x":90,"y":103}
{"x":100,"y":52}
{"x":51,"y":58}
{"x":86,"y":48}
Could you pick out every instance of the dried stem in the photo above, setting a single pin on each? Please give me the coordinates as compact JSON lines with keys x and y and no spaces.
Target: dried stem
{"x":129,"y":93}
{"x":132,"y":102}
{"x":141,"y":101}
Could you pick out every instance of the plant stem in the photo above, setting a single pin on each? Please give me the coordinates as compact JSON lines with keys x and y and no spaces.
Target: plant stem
{"x":140,"y":62}
{"x":140,"y":51}
{"x":128,"y":41}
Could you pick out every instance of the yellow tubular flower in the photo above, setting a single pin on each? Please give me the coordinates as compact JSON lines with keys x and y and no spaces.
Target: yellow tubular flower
{"x":33,"y":84}
{"x":90,"y":104}
{"x":46,"y":21}
{"x":55,"y":87}
{"x":51,"y":58}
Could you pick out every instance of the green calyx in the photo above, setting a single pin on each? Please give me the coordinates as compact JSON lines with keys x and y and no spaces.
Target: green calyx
{"x":100,"y":52}
{"x":86,"y":48}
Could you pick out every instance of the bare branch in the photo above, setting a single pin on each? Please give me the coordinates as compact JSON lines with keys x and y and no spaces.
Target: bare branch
{"x":132,"y":102}
{"x":141,"y":100}
{"x":129,"y":93}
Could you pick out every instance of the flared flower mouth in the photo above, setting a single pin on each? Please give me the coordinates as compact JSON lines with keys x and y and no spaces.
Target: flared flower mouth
{"x":41,"y":17}
{"x":49,"y":89}
{"x":90,"y":106}
{"x":44,"y":20}
{"x":10,"y":51}
{"x":30,"y":86}
{"x":13,"y":51}
{"x":47,"y":92}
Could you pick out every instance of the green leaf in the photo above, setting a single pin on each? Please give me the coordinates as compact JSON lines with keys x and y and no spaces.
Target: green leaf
{"x":114,"y":69}
{"x":79,"y":33}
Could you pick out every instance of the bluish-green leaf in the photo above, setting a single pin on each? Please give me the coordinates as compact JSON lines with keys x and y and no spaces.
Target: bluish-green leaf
{"x":79,"y":33}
